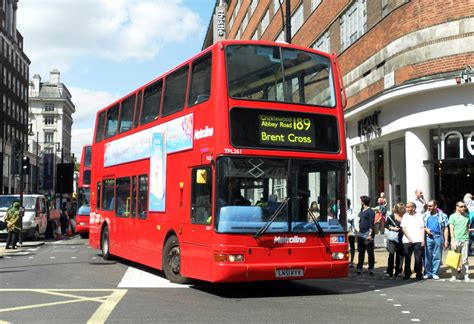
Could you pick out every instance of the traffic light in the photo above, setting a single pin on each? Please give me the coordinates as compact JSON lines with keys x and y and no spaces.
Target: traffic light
{"x":25,"y":165}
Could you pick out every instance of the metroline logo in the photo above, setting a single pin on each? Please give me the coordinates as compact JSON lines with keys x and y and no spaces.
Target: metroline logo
{"x":203,"y":133}
{"x":292,"y":240}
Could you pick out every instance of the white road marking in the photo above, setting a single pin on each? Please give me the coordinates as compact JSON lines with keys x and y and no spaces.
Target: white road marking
{"x":415,"y":320}
{"x":135,"y":278}
{"x":397,"y":305}
{"x":405,"y":312}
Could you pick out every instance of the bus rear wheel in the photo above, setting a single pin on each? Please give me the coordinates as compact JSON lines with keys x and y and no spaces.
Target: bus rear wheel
{"x":172,"y":261}
{"x":105,"y":244}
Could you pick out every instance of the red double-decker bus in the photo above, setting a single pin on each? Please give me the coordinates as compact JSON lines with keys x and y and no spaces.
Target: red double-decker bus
{"x":209,"y":170}
{"x":83,"y":192}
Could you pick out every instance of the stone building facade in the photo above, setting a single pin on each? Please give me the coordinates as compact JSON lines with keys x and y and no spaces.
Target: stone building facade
{"x":14,"y":69}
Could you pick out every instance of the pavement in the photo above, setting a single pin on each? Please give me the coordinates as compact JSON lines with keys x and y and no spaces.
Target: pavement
{"x":381,"y":257}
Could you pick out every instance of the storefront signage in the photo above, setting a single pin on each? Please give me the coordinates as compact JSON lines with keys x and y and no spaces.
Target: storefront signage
{"x":469,"y":143}
{"x":369,"y":124}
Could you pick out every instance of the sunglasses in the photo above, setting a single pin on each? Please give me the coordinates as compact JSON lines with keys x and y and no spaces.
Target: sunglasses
{"x":462,"y":206}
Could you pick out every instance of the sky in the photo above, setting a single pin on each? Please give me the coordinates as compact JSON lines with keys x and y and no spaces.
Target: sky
{"x":105,"y":49}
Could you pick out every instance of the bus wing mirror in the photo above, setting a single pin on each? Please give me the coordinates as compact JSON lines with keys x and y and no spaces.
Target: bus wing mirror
{"x":201,"y":176}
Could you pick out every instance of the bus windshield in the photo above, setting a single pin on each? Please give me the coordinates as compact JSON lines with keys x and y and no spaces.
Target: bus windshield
{"x":273,"y":73}
{"x":83,"y":197}
{"x":251,"y":190}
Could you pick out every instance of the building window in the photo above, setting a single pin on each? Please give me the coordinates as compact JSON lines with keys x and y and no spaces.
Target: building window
{"x":49,"y":120}
{"x":245,"y":22}
{"x":265,"y":21}
{"x":276,"y":6}
{"x":48,"y":107}
{"x":315,"y":4}
{"x":384,"y":8}
{"x":323,"y":43}
{"x":281,"y":36}
{"x":297,"y":20}
{"x":353,"y":23}
{"x":237,"y":36}
{"x":49,"y":137}
{"x":255,"y":36}
{"x":253,"y":6}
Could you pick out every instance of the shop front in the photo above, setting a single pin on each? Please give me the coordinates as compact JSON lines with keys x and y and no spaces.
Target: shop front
{"x":416,"y":137}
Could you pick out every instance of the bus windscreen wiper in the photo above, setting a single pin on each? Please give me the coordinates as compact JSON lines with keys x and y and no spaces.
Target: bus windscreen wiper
{"x":315,"y":221}
{"x":272,"y":218}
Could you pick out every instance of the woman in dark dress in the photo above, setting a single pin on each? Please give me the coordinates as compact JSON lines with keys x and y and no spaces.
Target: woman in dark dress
{"x":394,"y":243}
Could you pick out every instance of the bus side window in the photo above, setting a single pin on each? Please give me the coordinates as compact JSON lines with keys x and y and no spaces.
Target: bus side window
{"x":201,"y":196}
{"x":175,"y":91}
{"x":151,"y":102}
{"x":126,"y":114}
{"x":112,"y":121}
{"x":99,"y":135}
{"x":142,"y":196}
{"x":123,"y":198}
{"x":138,"y":109}
{"x":108,"y":200}
{"x":98,"y":196}
{"x":200,"y":88}
{"x":134,"y":197}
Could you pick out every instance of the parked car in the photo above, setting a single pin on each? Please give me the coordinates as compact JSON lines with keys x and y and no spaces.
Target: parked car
{"x":38,"y":218}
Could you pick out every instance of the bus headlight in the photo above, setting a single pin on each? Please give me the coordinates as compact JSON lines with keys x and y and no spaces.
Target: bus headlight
{"x":236,"y":258}
{"x":338,"y":255}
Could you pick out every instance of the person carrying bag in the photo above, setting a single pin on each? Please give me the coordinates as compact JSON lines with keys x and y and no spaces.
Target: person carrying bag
{"x":394,"y":245}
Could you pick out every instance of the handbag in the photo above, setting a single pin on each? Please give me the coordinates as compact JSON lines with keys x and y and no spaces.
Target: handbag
{"x":452,"y":259}
{"x":392,"y":235}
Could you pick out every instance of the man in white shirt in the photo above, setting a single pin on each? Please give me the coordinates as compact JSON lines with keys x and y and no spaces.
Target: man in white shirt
{"x":419,"y":201}
{"x":413,"y":240}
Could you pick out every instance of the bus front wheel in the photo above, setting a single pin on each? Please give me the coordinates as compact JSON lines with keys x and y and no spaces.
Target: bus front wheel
{"x":105,"y":244}
{"x":172,"y":261}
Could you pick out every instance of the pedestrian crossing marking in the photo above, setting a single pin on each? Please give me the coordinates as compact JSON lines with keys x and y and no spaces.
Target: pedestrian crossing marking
{"x":107,"y":302}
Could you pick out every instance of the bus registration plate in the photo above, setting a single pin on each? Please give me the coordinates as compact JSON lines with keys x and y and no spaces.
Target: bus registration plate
{"x":285,"y":273}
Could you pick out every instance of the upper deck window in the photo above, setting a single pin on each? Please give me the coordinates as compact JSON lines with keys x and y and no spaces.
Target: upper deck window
{"x":87,"y":156}
{"x":151,"y":102}
{"x":273,"y":73}
{"x":200,"y":80}
{"x":175,"y":91}
{"x":99,"y":135}
{"x":112,"y":121}
{"x":126,"y":114}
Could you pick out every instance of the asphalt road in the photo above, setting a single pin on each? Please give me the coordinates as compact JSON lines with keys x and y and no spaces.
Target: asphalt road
{"x":67,"y":282}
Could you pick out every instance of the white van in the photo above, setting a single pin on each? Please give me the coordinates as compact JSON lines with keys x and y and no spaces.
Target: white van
{"x":35,"y":218}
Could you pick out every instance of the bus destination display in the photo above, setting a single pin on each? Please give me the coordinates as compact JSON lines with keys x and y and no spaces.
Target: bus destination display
{"x":281,"y":130}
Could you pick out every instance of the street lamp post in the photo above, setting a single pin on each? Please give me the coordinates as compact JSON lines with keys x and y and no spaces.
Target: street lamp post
{"x":37,"y":164}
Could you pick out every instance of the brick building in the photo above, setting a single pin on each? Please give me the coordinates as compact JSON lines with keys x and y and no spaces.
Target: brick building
{"x":407,"y":67}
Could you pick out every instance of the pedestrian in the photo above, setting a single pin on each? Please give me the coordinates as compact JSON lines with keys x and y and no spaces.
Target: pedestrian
{"x":459,"y":230}
{"x":365,"y":237}
{"x":394,"y":240}
{"x":436,"y":238}
{"x":470,"y":207}
{"x":413,"y":240}
{"x":351,"y":232}
{"x":419,"y":202}
{"x":12,"y":220}
{"x":64,"y":219}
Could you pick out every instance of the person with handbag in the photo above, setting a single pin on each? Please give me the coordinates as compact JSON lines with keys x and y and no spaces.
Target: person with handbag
{"x":394,"y":240}
{"x":459,"y":230}
{"x":436,"y":237}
